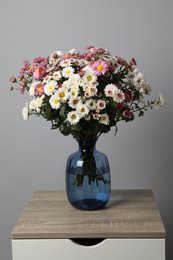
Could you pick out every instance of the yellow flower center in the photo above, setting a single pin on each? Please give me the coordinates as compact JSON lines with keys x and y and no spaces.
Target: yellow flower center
{"x":75,"y":102}
{"x":99,"y":67}
{"x":56,"y":101}
{"x":89,"y":78}
{"x":62,"y":94}
{"x":50,"y":87}
{"x":73,"y":117}
{"x":68,"y":72}
{"x":40,"y":88}
{"x":83,"y":110}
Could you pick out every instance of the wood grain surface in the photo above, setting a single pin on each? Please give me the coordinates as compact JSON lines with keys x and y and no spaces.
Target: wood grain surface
{"x":129,"y":214}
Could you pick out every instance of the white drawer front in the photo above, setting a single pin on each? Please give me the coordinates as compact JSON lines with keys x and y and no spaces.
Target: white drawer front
{"x":112,"y":249}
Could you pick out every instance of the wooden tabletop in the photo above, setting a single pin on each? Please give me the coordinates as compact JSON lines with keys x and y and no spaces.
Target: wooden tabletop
{"x":129,"y":214}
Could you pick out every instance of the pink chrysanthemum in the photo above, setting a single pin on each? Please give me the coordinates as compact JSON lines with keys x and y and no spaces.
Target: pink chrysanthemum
{"x":39,"y":89}
{"x":39,"y":72}
{"x":100,"y":67}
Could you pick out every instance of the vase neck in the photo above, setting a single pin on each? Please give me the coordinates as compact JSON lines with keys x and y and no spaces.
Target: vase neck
{"x":87,"y":146}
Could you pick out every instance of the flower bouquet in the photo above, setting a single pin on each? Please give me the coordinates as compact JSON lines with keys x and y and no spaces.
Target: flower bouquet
{"x":85,"y":95}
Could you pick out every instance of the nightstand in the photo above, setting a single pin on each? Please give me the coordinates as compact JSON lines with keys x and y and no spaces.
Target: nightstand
{"x":128,"y":228}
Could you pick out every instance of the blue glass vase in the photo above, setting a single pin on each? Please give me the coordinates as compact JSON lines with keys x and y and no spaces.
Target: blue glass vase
{"x":88,"y":181}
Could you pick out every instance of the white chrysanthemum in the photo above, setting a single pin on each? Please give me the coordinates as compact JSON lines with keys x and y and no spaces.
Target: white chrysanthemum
{"x":50,"y":87}
{"x":146,"y":88}
{"x":57,"y":75}
{"x":74,"y":78}
{"x":55,"y":101}
{"x":104,"y":119}
{"x":32,"y":88}
{"x":118,"y":96}
{"x":73,"y":93}
{"x":62,"y":93}
{"x":101,"y":104}
{"x":74,"y":87}
{"x":66,"y":84}
{"x":67,"y":72}
{"x":86,"y":88}
{"x":39,"y":101}
{"x":159,"y":102}
{"x":33,"y":105}
{"x":47,"y":79}
{"x":110,"y":90}
{"x":25,"y":112}
{"x":65,"y":63}
{"x":54,"y":57}
{"x":91,"y":104}
{"x":139,"y":80}
{"x":92,"y":91}
{"x":89,"y":77}
{"x":82,"y":109}
{"x":73,"y":117}
{"x":81,"y":82}
{"x":73,"y":102}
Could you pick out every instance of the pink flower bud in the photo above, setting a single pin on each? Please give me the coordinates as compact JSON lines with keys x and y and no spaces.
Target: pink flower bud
{"x":21,"y":90}
{"x":21,"y":76}
{"x":13,"y":79}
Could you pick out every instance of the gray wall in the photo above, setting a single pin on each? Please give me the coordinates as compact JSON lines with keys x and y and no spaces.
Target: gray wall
{"x":33,"y":157}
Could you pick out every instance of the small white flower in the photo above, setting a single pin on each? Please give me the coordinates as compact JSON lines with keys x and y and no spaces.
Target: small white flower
{"x":89,"y":77}
{"x":96,"y":116}
{"x":67,"y":72}
{"x":66,"y":84}
{"x":110,"y":90}
{"x":74,"y":78}
{"x":159,"y":102}
{"x":101,"y":104}
{"x":73,"y":102}
{"x":47,"y":79}
{"x":82,"y":109}
{"x":81,"y":82}
{"x":104,"y":119}
{"x":25,"y":112}
{"x":74,"y":87}
{"x":55,"y":101}
{"x":32,"y":88}
{"x":39,"y":101}
{"x":146,"y":89}
{"x":62,"y":93}
{"x":118,"y":96}
{"x":65,"y":63}
{"x":139,"y":80}
{"x":73,"y":93}
{"x":49,"y":87}
{"x":90,"y":91}
{"x":54,"y":57}
{"x":57,"y":75}
{"x":32,"y":104}
{"x":86,"y":88}
{"x":73,"y":117}
{"x":91,"y":104}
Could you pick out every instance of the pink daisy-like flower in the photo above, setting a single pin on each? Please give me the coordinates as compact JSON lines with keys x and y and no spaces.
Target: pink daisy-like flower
{"x":100,"y":67}
{"x":39,"y":89}
{"x":39,"y":72}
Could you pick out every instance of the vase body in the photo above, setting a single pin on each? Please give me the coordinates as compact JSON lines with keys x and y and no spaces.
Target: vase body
{"x":88,"y":182}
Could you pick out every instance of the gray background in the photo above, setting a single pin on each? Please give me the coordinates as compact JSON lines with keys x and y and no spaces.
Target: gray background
{"x":33,"y":157}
